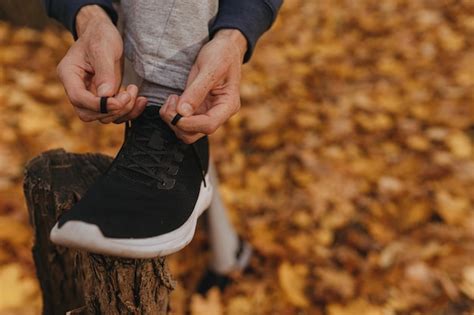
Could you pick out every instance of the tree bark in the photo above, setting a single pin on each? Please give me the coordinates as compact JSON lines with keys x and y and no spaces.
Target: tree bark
{"x":76,"y":281}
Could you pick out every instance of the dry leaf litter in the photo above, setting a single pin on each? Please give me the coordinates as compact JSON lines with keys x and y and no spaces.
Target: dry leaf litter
{"x":350,"y":167}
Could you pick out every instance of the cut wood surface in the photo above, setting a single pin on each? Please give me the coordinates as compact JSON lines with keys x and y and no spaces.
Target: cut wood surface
{"x":79,"y":282}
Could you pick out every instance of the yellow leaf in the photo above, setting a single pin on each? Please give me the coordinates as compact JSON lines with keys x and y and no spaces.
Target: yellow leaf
{"x":453,"y":209}
{"x":467,"y":284}
{"x":459,"y":144}
{"x":292,"y":280}
{"x":358,"y":307}
{"x":210,"y":305}
{"x":15,"y":289}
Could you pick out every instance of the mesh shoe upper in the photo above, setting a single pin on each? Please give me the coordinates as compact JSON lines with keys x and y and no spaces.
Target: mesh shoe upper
{"x":152,"y":185}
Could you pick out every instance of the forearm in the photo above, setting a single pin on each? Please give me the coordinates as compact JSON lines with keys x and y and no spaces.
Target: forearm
{"x":251,"y":17}
{"x":65,"y":11}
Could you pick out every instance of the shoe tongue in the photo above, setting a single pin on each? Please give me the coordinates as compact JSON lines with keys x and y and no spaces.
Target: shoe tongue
{"x":156,"y":140}
{"x":151,"y":115}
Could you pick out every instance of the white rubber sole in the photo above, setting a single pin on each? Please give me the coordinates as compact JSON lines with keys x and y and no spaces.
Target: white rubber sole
{"x":88,"y":237}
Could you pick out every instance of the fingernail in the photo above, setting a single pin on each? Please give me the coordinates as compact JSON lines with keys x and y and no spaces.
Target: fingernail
{"x":124,"y":98}
{"x":185,"y":109}
{"x":104,"y":89}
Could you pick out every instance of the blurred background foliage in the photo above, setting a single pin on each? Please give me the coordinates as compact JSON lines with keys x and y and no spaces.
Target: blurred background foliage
{"x":350,"y":167}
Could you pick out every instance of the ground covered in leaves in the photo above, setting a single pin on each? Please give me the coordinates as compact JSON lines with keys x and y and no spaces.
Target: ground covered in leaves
{"x":350,"y":167}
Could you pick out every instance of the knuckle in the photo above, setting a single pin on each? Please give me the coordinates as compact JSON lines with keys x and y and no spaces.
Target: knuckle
{"x":162,"y":112}
{"x":73,"y":97}
{"x":118,"y":105}
{"x":126,"y":108}
{"x":184,"y":127}
{"x":188,"y":140}
{"x":163,"y":115}
{"x":185,"y":138}
{"x":137,"y":112}
{"x":211,"y":128}
{"x":208,"y":130}
{"x":133,"y":115}
{"x":130,"y":106}
{"x":84,"y":117}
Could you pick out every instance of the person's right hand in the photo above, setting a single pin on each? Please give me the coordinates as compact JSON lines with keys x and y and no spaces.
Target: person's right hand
{"x":92,"y":68}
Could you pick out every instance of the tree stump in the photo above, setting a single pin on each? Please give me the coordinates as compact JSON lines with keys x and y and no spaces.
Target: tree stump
{"x":76,"y":282}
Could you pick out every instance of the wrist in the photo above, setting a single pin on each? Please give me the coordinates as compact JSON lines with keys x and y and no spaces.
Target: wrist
{"x":88,"y":14}
{"x":235,"y":37}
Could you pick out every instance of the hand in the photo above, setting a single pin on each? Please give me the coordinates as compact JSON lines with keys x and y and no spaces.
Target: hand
{"x":92,"y":68}
{"x":212,"y":93}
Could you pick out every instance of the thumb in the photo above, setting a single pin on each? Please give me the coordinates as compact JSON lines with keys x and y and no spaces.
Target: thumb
{"x":104,"y":77}
{"x":195,"y":94}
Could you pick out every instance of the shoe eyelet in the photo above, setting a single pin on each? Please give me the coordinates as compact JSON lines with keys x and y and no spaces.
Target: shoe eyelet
{"x":167,"y":183}
{"x":172,"y":170}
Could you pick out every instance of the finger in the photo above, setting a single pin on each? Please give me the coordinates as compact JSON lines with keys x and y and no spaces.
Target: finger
{"x":123,"y":98}
{"x":131,"y":94}
{"x":105,"y":68}
{"x":209,"y":122}
{"x":132,"y":90}
{"x":136,"y":111}
{"x":164,"y":107}
{"x":73,"y":79}
{"x":120,"y":101}
{"x":192,"y":75}
{"x":188,"y":137}
{"x":196,"y":92}
{"x":168,"y":110}
{"x":87,"y":115}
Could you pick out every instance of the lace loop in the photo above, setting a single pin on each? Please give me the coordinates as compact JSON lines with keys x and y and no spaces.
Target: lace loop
{"x":151,"y":154}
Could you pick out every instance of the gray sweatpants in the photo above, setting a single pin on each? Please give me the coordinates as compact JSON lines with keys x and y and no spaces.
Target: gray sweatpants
{"x":162,"y":39}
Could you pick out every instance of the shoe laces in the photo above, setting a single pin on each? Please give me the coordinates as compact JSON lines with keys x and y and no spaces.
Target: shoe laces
{"x":155,"y":152}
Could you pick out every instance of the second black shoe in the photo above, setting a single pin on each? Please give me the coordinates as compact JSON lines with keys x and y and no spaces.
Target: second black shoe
{"x":212,"y":278}
{"x":148,"y":202}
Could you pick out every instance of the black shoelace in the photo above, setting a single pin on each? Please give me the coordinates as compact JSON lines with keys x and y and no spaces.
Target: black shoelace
{"x":155,"y":160}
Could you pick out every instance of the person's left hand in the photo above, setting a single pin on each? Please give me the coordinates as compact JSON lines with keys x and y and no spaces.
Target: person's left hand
{"x":212,"y":93}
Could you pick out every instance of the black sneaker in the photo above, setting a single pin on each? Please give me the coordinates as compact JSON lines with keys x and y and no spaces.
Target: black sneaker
{"x":148,"y":202}
{"x":212,"y":278}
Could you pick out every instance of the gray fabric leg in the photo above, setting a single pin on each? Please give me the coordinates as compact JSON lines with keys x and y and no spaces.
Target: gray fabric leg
{"x":222,"y":236}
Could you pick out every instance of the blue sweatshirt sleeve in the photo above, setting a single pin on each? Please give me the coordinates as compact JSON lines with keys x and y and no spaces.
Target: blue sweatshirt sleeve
{"x":251,"y":17}
{"x":65,"y":11}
